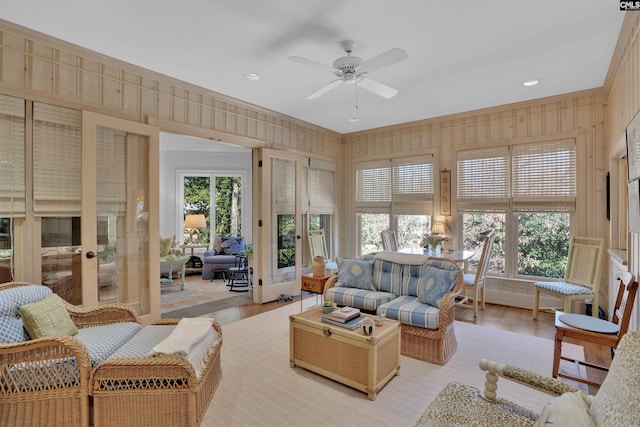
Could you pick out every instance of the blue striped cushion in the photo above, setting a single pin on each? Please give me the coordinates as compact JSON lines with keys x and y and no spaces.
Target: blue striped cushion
{"x":411,"y":275}
{"x":102,"y":341}
{"x":387,"y":276}
{"x":143,"y":342}
{"x":410,"y":311}
{"x":564,"y":288}
{"x":354,"y":297}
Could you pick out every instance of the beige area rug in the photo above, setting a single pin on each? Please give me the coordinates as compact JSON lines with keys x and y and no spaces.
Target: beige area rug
{"x":196,"y":292}
{"x":259,"y":388}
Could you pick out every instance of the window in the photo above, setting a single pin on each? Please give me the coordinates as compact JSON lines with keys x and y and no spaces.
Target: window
{"x":528,"y":194}
{"x":219,"y":199}
{"x":395,"y":194}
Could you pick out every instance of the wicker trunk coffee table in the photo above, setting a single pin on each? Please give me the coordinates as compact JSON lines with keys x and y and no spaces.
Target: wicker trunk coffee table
{"x":365,"y":363}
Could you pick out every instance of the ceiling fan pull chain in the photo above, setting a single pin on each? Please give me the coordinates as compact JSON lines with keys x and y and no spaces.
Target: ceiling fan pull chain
{"x":356,"y":97}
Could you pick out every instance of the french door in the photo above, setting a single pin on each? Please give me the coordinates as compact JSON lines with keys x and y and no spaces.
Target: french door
{"x":79,"y":204}
{"x":278,"y":254}
{"x":120,"y":202}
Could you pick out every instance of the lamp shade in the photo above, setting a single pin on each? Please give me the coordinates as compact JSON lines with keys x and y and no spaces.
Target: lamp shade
{"x":438,"y":228}
{"x":195,"y":221}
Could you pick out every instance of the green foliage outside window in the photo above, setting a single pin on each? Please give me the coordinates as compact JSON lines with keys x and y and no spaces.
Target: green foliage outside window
{"x":543,"y":244}
{"x":228,"y":197}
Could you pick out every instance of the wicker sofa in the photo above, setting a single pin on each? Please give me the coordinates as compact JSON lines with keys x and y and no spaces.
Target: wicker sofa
{"x":415,"y":290}
{"x":60,"y":379}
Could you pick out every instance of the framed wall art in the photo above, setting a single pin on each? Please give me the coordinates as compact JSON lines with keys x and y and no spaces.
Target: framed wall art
{"x":445,"y":193}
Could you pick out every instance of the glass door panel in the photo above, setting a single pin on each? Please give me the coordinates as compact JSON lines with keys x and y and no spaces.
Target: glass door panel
{"x":6,"y":250}
{"x":122,"y":251}
{"x":61,"y":256}
{"x":278,"y":252}
{"x":57,"y":193}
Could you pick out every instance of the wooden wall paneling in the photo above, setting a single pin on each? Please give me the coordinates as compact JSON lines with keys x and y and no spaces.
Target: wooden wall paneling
{"x":146,"y":98}
{"x":110,"y":87}
{"x":13,"y":61}
{"x":131,"y":94}
{"x":90,"y":82}
{"x":40,"y":60}
{"x":163,"y":105}
{"x":68,"y":75}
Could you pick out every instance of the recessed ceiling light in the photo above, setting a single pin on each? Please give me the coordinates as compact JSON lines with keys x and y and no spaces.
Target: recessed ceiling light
{"x":253,"y":76}
{"x":353,"y":119}
{"x":530,"y":83}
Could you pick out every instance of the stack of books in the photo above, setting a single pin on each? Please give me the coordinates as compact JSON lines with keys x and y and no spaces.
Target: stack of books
{"x":346,"y":317}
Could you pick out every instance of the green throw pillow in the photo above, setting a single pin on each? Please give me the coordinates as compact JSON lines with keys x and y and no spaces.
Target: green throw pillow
{"x":165,"y":246}
{"x":47,"y":318}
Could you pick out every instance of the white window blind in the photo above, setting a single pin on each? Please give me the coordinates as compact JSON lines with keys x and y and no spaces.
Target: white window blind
{"x":544,"y":176}
{"x":373,"y":184}
{"x":284,"y":193}
{"x":56,"y":160}
{"x":403,"y":185}
{"x":111,"y":176}
{"x":412,"y":185}
{"x":539,"y":176}
{"x":483,"y":179}
{"x":320,"y":190}
{"x":12,"y":157}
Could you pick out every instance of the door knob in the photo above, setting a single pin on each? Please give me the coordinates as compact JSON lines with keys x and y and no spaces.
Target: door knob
{"x":298,"y":236}
{"x":90,"y":254}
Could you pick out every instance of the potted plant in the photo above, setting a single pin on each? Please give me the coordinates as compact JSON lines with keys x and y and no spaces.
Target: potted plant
{"x":432,"y":242}
{"x":328,"y":306}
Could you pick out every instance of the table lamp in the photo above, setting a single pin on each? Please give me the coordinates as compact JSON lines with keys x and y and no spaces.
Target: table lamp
{"x":194,"y":222}
{"x":438,"y":228}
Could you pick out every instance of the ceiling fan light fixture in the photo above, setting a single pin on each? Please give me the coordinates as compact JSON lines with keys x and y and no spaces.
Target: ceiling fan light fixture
{"x":354,"y":119}
{"x":349,"y":78}
{"x":531,"y":82}
{"x":353,"y":70}
{"x":253,"y":76}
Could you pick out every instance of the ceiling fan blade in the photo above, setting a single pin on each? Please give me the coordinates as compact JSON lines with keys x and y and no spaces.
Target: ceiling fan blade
{"x":377,"y":88}
{"x":324,"y":89}
{"x":385,"y":59}
{"x":306,"y":61}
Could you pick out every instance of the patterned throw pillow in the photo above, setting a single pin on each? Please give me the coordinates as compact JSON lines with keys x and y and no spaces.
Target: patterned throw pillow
{"x":437,"y":279}
{"x":47,"y":318}
{"x":11,"y":328}
{"x":232,"y":245}
{"x":355,"y":273}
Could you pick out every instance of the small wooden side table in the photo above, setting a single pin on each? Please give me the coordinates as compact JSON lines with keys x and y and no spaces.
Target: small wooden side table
{"x":313,"y":284}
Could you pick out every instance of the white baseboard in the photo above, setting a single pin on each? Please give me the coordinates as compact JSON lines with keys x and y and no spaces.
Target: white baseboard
{"x":520,"y":293}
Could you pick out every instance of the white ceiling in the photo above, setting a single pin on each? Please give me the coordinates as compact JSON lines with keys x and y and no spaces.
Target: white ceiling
{"x":463,"y":54}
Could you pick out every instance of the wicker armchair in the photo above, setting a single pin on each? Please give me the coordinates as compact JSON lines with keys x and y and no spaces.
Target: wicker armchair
{"x":613,"y":404}
{"x":37,"y":388}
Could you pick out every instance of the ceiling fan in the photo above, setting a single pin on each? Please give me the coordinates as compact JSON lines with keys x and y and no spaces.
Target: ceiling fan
{"x":352,"y":70}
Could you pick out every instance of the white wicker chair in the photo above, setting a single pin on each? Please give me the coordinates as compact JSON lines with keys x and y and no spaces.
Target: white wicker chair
{"x":582,"y":275}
